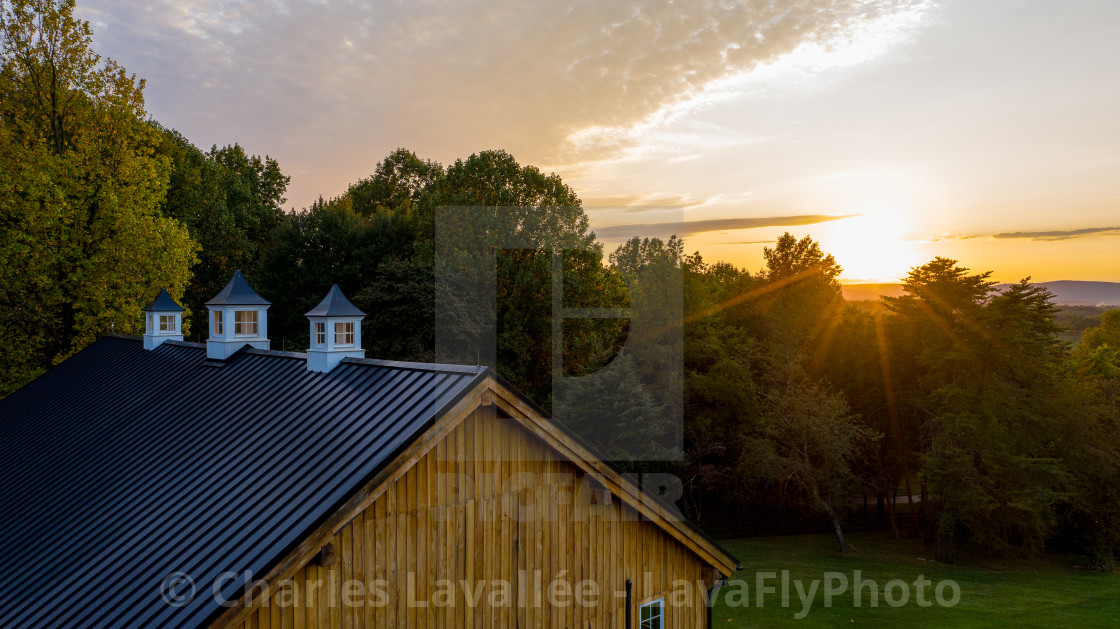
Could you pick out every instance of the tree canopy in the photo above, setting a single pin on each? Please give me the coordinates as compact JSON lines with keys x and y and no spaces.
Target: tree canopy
{"x":230,"y":202}
{"x":83,"y":244}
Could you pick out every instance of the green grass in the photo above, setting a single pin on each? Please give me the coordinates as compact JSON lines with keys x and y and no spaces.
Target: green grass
{"x":1051,"y":591}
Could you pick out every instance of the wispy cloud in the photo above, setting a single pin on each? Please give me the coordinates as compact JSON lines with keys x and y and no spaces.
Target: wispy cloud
{"x":691,"y":228}
{"x":331,"y":87}
{"x":638,"y":202}
{"x":1041,"y":236}
{"x":1061,"y":234}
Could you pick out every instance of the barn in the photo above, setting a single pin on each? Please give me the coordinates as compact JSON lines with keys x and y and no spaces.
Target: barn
{"x":151,"y":482}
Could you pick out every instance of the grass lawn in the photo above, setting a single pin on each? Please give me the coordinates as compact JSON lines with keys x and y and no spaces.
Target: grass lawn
{"x":1052,"y":591}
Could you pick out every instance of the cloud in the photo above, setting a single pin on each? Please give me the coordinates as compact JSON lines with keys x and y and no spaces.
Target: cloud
{"x":1060,"y":234}
{"x":637,"y":202}
{"x":331,"y":87}
{"x":691,"y":228}
{"x":1041,"y":236}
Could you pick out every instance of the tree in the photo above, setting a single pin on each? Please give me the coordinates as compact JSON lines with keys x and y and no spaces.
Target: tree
{"x":615,"y":412}
{"x":858,"y":362}
{"x":231,"y":203}
{"x":808,"y":447}
{"x":1105,"y":334}
{"x":801,"y":296}
{"x":653,"y":271}
{"x":983,"y":399}
{"x":84,"y":245}
{"x":1092,"y":441}
{"x":792,"y":259}
{"x":399,"y":182}
{"x":542,"y":215}
{"x":329,"y":244}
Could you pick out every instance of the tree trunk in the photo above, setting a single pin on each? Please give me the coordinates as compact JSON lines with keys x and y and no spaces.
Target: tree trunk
{"x":836,"y":527}
{"x":910,"y":500}
{"x":891,"y":514}
{"x":827,"y":508}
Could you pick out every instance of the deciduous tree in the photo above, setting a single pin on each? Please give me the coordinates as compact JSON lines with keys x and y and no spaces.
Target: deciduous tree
{"x":230,"y":201}
{"x":83,"y":245}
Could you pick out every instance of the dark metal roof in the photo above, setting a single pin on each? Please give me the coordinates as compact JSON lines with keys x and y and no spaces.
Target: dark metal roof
{"x":163,"y":303}
{"x":238,"y":293}
{"x":121,"y":466}
{"x":335,"y":304}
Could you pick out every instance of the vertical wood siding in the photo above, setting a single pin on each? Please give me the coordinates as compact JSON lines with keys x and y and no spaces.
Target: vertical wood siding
{"x":489,"y":502}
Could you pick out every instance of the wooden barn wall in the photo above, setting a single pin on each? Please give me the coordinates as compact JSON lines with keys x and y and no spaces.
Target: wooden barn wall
{"x":451,"y":517}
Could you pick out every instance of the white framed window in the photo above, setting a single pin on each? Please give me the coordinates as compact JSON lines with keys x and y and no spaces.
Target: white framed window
{"x":167,"y":323}
{"x":343,"y":333}
{"x":320,"y":333}
{"x":651,"y":615}
{"x":217,"y":323}
{"x":245,"y":322}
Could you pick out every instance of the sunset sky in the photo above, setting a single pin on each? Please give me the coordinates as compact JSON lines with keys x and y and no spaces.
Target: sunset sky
{"x":891,"y":131}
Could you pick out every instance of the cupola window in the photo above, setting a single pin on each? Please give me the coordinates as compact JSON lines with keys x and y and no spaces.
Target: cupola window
{"x":245,"y":322}
{"x":344,"y":333}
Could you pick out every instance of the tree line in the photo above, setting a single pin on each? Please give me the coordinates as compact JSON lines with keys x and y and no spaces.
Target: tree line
{"x":957,"y":393}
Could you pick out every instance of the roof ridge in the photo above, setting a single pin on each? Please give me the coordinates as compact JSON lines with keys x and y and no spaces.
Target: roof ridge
{"x":368,"y":362}
{"x":418,"y":366}
{"x":190,"y":344}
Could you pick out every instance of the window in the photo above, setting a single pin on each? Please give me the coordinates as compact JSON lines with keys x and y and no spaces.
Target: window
{"x":245,"y":322}
{"x":167,"y":323}
{"x":652,"y":615}
{"x":320,"y":333}
{"x":217,"y":323}
{"x":343,"y":333}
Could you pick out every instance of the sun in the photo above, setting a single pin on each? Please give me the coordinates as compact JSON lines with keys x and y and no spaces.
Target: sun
{"x":871,"y":247}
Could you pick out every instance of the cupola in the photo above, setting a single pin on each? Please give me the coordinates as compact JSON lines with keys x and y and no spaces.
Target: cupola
{"x":238,"y":317}
{"x":163,"y":320}
{"x":336,"y":332}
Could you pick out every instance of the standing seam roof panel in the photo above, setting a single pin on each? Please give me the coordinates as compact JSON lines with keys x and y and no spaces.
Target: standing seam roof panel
{"x":172,"y":463}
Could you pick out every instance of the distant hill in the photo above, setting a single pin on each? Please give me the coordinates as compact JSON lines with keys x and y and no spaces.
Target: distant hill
{"x":1077,"y":293}
{"x":1066,"y":292}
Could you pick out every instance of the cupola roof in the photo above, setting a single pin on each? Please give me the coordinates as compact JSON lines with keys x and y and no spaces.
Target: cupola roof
{"x":335,"y":304}
{"x":238,"y":293}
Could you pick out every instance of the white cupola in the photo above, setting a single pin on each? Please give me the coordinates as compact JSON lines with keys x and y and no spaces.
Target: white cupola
{"x":238,"y":317}
{"x":163,"y":320}
{"x":336,"y":332}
